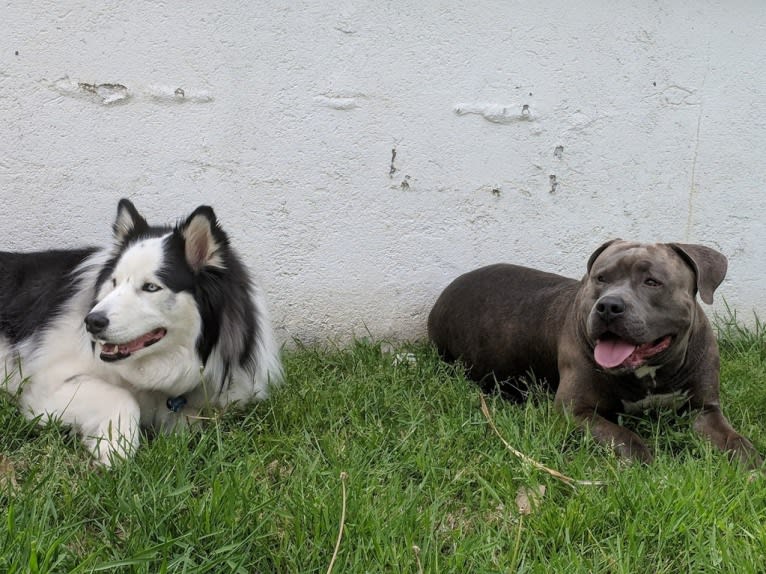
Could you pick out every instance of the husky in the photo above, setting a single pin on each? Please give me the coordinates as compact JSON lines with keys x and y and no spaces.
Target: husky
{"x":144,"y":333}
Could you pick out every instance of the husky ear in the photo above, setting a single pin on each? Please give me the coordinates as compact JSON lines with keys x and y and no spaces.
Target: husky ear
{"x":128,"y":220}
{"x":599,"y":251}
{"x":709,"y":267}
{"x":203,"y":239}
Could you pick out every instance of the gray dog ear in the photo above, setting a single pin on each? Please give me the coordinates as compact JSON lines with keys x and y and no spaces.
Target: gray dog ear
{"x":598,"y":252}
{"x":708,"y":264}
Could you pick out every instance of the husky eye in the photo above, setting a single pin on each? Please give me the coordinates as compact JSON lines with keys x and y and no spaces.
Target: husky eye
{"x":150,"y":287}
{"x":651,"y":282}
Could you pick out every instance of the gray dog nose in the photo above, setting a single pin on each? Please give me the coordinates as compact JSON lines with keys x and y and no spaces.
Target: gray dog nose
{"x":96,"y":322}
{"x":610,"y":307}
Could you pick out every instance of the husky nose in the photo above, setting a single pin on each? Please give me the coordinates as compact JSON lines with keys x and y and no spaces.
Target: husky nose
{"x":610,"y":307}
{"x":96,"y":322}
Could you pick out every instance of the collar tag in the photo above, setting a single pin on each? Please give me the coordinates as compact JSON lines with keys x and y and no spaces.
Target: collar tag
{"x":175,"y":404}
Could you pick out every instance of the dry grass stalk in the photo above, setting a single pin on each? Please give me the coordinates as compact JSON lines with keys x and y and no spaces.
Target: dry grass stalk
{"x":529,"y":460}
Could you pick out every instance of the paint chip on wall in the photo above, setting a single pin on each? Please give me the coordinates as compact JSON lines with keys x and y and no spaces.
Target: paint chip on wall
{"x":337,"y":101}
{"x":108,"y":94}
{"x":497,"y":113}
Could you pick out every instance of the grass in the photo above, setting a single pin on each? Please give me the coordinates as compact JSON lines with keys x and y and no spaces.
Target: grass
{"x":430,"y":488}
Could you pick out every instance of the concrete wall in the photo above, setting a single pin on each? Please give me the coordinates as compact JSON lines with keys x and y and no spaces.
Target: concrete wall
{"x":363,"y":154}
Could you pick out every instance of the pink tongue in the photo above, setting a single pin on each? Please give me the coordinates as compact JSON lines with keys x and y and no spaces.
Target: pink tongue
{"x":613,"y":352}
{"x":134,"y":345}
{"x":138,"y":344}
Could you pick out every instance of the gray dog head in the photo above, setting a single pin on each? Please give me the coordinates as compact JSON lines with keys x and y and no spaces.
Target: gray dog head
{"x":639,"y":300}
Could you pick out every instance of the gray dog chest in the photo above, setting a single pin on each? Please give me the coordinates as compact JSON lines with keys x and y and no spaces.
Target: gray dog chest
{"x":654,"y":401}
{"x":674,"y":401}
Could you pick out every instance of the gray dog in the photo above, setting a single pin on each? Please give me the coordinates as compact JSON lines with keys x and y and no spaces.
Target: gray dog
{"x":629,"y":336}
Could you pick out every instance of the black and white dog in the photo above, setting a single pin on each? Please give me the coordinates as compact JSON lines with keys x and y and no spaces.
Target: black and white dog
{"x":140,"y":334}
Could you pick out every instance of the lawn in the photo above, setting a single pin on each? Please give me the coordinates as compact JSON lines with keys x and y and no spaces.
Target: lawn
{"x":393,"y":444}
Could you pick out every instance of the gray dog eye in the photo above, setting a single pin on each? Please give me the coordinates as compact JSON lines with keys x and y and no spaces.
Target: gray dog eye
{"x":150,"y":287}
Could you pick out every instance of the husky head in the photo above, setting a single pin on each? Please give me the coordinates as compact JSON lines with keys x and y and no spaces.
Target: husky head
{"x":162,"y":297}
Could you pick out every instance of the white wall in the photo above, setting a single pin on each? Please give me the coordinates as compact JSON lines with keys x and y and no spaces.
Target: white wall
{"x":290,"y":112}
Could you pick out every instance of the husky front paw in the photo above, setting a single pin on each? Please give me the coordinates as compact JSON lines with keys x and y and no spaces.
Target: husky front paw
{"x":119,"y":442}
{"x":107,"y":417}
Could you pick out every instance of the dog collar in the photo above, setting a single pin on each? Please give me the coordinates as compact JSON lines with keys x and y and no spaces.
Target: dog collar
{"x":175,"y":404}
